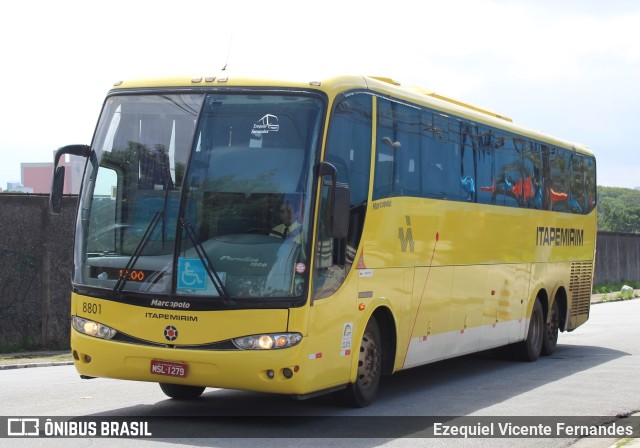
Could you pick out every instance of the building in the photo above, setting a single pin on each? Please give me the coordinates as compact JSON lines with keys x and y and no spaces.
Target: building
{"x":16,"y":187}
{"x":37,"y":176}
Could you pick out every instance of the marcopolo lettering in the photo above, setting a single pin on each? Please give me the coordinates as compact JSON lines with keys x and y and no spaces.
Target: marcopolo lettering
{"x":559,"y":236}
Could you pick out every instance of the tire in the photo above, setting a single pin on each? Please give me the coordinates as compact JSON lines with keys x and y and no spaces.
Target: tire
{"x":363,"y":391}
{"x":530,"y":348}
{"x":550,"y":339}
{"x":181,"y":392}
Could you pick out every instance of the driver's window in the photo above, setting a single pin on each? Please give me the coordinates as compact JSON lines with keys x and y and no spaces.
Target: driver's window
{"x":349,"y":150}
{"x":102,"y":224}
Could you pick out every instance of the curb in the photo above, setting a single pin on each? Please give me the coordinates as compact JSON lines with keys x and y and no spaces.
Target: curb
{"x":35,"y":364}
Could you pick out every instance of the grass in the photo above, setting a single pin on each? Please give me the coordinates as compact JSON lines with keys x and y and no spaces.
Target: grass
{"x":51,"y":356}
{"x":606,"y":288}
{"x":621,"y":443}
{"x":613,"y":291}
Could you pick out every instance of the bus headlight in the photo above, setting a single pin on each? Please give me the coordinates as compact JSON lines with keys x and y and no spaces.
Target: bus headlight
{"x":91,"y":328}
{"x":267,"y":341}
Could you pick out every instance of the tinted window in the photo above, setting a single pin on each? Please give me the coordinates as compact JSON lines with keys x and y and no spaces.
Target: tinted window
{"x":559,"y":191}
{"x":385,"y":175}
{"x":349,"y":149}
{"x":509,"y":183}
{"x":422,"y":152}
{"x":533,"y":184}
{"x":349,"y":144}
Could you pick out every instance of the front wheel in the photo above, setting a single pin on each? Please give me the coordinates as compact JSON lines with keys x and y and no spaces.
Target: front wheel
{"x":181,"y":392}
{"x":363,"y":391}
{"x":530,"y":348}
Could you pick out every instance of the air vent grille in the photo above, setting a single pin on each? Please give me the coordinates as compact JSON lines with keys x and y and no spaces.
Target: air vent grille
{"x":580,"y":287}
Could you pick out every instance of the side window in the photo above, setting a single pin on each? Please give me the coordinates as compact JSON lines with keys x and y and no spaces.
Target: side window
{"x":559,"y":163}
{"x":349,"y":144}
{"x":397,"y":150}
{"x":546,"y":177}
{"x":385,"y":176}
{"x":583,"y":184}
{"x":442,"y":154}
{"x":533,"y":180}
{"x":590,"y":184}
{"x":467,"y":175}
{"x":483,"y":153}
{"x":408,"y":153}
{"x":577,"y":201}
{"x":105,"y":238}
{"x":509,"y":181}
{"x":349,"y":149}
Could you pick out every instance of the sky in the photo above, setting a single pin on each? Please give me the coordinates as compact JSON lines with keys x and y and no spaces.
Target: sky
{"x":569,"y":68}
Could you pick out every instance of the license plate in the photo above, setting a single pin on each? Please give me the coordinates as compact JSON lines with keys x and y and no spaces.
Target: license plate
{"x":166,"y":368}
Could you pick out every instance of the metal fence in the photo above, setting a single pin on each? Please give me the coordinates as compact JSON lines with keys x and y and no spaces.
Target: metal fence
{"x":617,"y":257}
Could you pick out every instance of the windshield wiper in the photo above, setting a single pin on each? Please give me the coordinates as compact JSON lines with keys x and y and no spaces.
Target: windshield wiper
{"x":202,"y":254}
{"x":162,"y":214}
{"x":137,"y":252}
{"x":204,"y":258}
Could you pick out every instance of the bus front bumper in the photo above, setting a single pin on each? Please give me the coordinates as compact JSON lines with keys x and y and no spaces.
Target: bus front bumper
{"x":275,"y":371}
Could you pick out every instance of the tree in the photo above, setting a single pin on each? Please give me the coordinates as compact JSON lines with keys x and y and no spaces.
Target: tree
{"x":618,"y":209}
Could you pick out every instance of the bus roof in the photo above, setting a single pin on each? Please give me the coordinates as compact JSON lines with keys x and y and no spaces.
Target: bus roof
{"x":335,"y":84}
{"x":433,"y":94}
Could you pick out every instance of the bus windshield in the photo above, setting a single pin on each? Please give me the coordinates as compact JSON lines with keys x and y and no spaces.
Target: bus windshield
{"x":200,"y":195}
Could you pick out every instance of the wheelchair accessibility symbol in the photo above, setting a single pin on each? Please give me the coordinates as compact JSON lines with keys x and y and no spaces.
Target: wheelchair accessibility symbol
{"x":191,"y":274}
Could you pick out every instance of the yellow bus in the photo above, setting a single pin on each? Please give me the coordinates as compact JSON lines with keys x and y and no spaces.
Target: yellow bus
{"x":310,"y":236}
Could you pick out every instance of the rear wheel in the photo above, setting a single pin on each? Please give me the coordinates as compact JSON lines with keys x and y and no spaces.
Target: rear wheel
{"x":181,"y":392}
{"x":530,"y":348}
{"x":550,"y":339}
{"x":363,"y":391}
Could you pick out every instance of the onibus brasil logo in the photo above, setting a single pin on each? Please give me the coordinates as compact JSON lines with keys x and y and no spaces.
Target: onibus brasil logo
{"x":59,"y":427}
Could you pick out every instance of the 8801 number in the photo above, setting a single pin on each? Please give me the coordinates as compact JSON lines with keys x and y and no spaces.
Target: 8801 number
{"x":91,"y":308}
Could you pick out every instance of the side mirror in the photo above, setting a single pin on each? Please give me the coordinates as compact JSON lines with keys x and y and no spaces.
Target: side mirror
{"x":57,"y":180}
{"x":57,"y":188}
{"x":339,"y":209}
{"x":338,"y":203}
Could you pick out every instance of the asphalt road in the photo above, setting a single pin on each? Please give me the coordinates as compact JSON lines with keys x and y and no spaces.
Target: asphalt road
{"x":594,"y":372}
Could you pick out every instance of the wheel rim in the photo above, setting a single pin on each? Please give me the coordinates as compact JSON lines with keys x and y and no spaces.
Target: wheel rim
{"x":368,"y":362}
{"x":552,"y":328}
{"x":537,"y":330}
